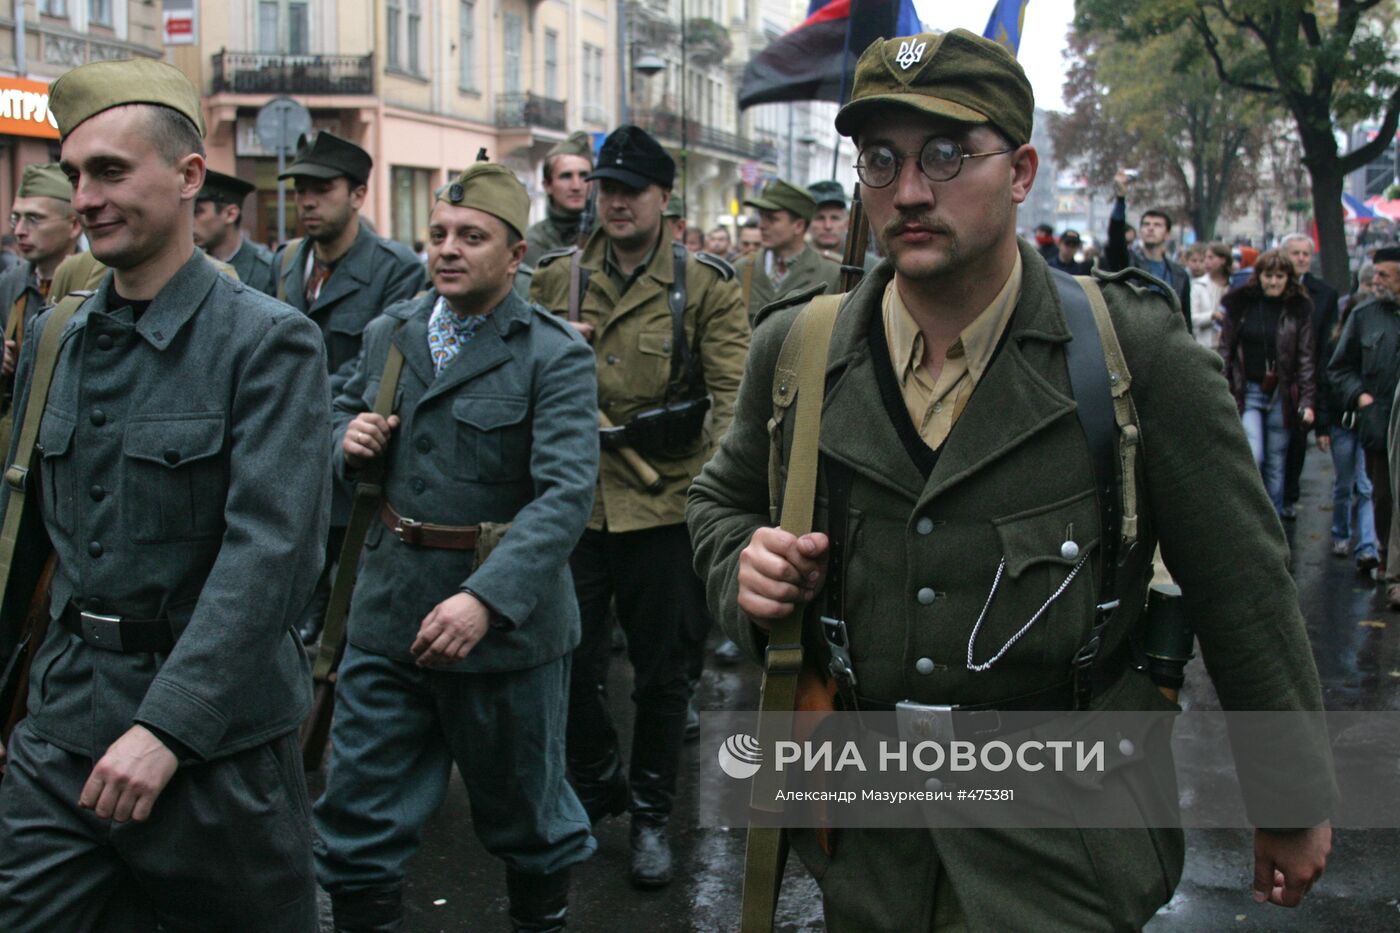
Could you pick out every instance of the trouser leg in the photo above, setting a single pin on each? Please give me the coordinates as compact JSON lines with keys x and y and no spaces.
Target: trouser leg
{"x":594,"y":763}
{"x":1378,"y":469}
{"x":228,"y":845}
{"x":1293,"y":466}
{"x":56,"y":870}
{"x":388,"y":774}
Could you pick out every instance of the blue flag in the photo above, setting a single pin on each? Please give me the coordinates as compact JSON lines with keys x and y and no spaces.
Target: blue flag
{"x":1004,"y":25}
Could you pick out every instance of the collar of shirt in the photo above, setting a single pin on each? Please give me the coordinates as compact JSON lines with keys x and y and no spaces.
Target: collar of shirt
{"x":977,"y":342}
{"x":614,"y":271}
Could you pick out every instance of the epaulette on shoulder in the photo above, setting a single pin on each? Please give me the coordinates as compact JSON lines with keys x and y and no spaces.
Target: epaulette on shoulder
{"x":1138,"y":279}
{"x":788,"y":301}
{"x":554,"y":254}
{"x":718,"y":263}
{"x":555,"y":321}
{"x":396,"y":249}
{"x":405,"y":308}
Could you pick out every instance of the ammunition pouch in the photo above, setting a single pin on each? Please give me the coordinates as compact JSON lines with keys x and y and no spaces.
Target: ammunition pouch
{"x":670,"y":432}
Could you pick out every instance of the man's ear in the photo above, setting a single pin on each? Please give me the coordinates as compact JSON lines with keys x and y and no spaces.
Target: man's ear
{"x":1025,"y":162}
{"x":192,"y":169}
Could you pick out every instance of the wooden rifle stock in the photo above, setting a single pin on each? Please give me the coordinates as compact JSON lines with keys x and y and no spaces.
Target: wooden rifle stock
{"x":36,"y":627}
{"x":857,"y":237}
{"x":316,"y":730}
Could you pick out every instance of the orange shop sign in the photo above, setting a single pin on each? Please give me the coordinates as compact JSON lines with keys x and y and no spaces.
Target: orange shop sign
{"x":24,"y":109}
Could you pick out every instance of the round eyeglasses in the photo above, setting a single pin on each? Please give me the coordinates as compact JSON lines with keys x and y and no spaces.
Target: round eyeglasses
{"x":940,"y":160}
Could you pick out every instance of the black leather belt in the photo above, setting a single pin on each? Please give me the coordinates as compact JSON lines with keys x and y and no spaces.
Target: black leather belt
{"x":117,"y":633}
{"x":978,"y":721}
{"x":612,"y":438}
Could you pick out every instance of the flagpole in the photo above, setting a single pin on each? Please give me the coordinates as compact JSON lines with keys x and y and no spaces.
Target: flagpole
{"x":845,"y":70}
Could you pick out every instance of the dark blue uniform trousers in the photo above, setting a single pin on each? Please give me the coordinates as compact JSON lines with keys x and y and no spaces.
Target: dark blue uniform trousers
{"x":227,"y":847}
{"x":397,"y":731}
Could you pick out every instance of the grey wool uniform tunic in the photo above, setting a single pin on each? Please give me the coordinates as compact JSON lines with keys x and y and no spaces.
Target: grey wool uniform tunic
{"x":253,"y":263}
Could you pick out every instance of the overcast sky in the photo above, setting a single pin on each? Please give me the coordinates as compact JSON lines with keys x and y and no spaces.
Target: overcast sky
{"x":1042,"y":37}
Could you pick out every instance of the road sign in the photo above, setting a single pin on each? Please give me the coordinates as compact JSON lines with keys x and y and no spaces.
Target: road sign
{"x":280,"y":121}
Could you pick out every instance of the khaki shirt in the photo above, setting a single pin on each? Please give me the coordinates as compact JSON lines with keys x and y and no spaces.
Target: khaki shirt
{"x":935,"y":405}
{"x":632,"y":340}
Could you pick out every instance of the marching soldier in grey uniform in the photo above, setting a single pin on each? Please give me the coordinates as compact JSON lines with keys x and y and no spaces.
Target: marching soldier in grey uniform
{"x":951,"y":433}
{"x":185,"y":488}
{"x":47,"y":229}
{"x":342,"y":274}
{"x":218,"y":230}
{"x":786,"y":265}
{"x":668,"y":329}
{"x":565,"y":173}
{"x":464,"y":614}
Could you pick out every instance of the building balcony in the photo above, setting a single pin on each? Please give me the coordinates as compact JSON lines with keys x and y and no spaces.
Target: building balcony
{"x":271,"y":73}
{"x":517,"y":111}
{"x":667,"y":125}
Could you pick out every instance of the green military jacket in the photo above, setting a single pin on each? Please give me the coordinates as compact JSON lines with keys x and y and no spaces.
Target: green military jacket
{"x":808,"y":270}
{"x":253,"y":263}
{"x":557,"y":231}
{"x":1012,"y":483}
{"x":507,"y":432}
{"x":185,"y":473}
{"x":632,"y":342}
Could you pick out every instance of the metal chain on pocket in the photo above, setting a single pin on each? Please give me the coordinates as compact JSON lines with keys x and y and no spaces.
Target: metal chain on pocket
{"x":996,"y":583}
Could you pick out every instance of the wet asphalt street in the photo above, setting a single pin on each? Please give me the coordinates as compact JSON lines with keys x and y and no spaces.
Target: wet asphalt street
{"x":455,"y":886}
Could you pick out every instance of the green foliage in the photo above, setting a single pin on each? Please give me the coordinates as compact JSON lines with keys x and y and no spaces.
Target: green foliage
{"x":706,"y":40}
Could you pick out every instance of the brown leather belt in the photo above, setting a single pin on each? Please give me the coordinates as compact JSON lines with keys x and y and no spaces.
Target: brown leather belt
{"x":424,"y":534}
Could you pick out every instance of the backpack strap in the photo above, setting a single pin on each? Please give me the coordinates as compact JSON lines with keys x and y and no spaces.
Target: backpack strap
{"x":289,"y":254}
{"x":800,"y":375}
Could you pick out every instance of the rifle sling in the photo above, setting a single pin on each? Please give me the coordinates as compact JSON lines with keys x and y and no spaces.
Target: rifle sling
{"x":767,"y":843}
{"x":369,"y":490}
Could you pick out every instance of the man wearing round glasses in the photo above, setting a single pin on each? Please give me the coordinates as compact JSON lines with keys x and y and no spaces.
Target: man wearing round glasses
{"x":950,"y":430}
{"x":44,"y":223}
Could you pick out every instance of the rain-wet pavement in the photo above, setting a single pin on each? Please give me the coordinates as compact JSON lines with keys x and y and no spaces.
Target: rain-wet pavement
{"x":455,"y":885}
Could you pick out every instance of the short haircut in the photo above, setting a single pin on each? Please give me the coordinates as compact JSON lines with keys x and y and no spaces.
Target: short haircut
{"x":172,"y":133}
{"x":512,"y":235}
{"x":1196,"y":249}
{"x":720,"y":229}
{"x":1292,"y":237}
{"x":1156,"y":212}
{"x":1367,"y":273}
{"x":547,"y":167}
{"x":1045,"y":228}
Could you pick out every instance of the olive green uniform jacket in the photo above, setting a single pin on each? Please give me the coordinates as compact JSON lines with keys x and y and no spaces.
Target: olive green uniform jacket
{"x":1012,"y":482}
{"x":507,"y":432}
{"x":549,"y":235}
{"x":185,"y":472}
{"x":253,"y":263}
{"x":632,"y":340}
{"x":810,"y":269}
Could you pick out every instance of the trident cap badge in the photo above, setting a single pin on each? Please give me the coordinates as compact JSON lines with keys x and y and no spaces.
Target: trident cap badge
{"x":910,"y":53}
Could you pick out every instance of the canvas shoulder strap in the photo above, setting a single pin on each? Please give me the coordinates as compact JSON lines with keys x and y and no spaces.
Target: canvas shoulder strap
{"x":368,"y":492}
{"x":748,"y":279}
{"x":800,"y":376}
{"x":289,"y":255}
{"x":17,"y":475}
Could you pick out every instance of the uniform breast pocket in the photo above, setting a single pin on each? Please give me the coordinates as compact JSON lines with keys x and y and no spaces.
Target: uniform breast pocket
{"x":56,"y":468}
{"x":653,"y":364}
{"x":493,"y":442}
{"x":1373,"y":353}
{"x":1048,"y":577}
{"x":175,"y":478}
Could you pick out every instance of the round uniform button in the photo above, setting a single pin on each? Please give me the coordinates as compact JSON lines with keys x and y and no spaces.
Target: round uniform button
{"x":933,"y":785}
{"x":1126,"y":747}
{"x":612,"y":359}
{"x":98,"y":417}
{"x":104,"y":342}
{"x":171,"y":456}
{"x":424,"y":445}
{"x":924,"y":665}
{"x":97,"y":493}
{"x":924,"y":526}
{"x":927,"y":596}
{"x":1069,"y":551}
{"x":418,"y":485}
{"x":95,"y":548}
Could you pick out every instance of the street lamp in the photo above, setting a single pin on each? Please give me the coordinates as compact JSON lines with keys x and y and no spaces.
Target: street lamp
{"x":648,"y":65}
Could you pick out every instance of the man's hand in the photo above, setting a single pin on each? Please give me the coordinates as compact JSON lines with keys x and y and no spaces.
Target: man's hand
{"x":778,"y":571}
{"x":584,"y":328}
{"x":1121,"y":181}
{"x":1288,"y":864}
{"x":451,"y":631}
{"x":130,"y":776}
{"x":367,"y":437}
{"x":11,"y":350}
{"x":1309,"y":416}
{"x":1364,"y":399}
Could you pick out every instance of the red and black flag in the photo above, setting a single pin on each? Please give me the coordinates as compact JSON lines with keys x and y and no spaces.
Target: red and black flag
{"x":814,"y":60}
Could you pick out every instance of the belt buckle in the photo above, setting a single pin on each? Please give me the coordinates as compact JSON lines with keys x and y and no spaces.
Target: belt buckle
{"x":102,"y":631}
{"x":920,"y":722}
{"x":407,"y":530}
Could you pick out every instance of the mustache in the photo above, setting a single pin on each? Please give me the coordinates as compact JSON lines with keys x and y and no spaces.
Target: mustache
{"x":923,"y":221}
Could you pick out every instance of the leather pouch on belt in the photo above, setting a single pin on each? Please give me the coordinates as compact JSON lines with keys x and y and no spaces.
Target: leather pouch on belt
{"x":489,"y":534}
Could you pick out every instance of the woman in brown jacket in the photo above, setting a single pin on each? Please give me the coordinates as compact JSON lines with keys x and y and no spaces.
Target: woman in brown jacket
{"x":1267,"y":344}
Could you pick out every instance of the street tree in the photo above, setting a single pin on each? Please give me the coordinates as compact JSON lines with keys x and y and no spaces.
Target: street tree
{"x":1331,"y":65}
{"x":1157,"y":105}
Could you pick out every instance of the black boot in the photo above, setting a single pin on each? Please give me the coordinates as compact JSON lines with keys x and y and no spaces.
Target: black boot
{"x":538,"y":903}
{"x":368,"y":910}
{"x":602,"y":789}
{"x":656,"y":748}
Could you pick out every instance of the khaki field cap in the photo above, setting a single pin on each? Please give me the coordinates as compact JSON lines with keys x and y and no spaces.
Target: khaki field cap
{"x":778,"y":195}
{"x":89,"y":90}
{"x":957,"y":75}
{"x":673,"y":207}
{"x":578,"y":144}
{"x":493,"y":188}
{"x":45,"y":181}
